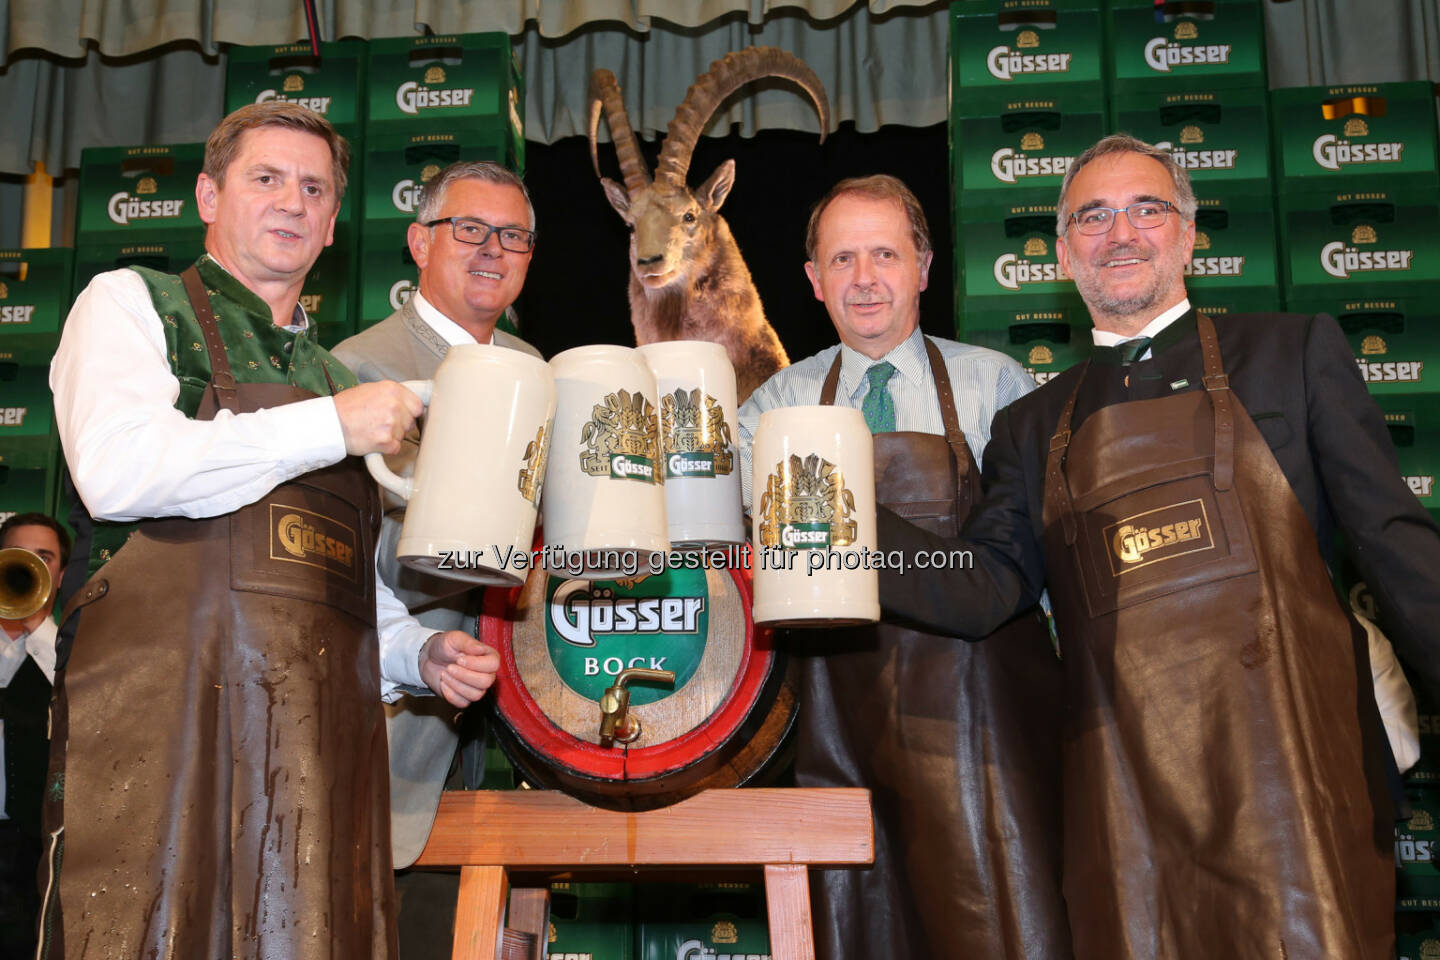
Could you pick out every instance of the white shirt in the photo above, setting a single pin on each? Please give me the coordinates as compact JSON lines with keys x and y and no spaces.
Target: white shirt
{"x":1104,"y":338}
{"x":39,"y":644}
{"x":981,"y":380}
{"x":132,"y":455}
{"x":452,"y":332}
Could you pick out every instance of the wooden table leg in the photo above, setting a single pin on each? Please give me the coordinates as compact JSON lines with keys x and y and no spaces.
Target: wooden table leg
{"x":480,"y":913}
{"x":787,"y":900}
{"x":530,"y":913}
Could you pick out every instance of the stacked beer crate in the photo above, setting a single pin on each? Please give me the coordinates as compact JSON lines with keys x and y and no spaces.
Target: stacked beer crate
{"x":333,"y":85}
{"x":1190,"y":77}
{"x":1027,"y":95}
{"x":600,"y":921}
{"x":34,"y":295}
{"x":1359,"y":203}
{"x":432,"y":101}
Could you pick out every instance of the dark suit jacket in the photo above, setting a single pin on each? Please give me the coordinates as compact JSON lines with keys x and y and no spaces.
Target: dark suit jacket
{"x":1297,"y":378}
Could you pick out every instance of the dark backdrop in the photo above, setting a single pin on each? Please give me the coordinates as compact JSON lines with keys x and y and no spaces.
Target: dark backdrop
{"x":576,"y":290}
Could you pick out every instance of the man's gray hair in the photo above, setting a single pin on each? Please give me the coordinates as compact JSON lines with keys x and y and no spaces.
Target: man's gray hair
{"x":433,"y":197}
{"x":1124,"y":143}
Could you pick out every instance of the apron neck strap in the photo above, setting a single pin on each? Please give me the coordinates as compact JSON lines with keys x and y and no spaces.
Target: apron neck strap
{"x":1217,"y":386}
{"x":832,"y":382}
{"x":1057,"y":489}
{"x":953,"y":434}
{"x":222,"y":379}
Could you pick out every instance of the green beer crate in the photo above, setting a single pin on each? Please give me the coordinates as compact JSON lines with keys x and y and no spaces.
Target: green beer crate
{"x":1220,"y":136}
{"x":26,"y":491}
{"x":1334,"y":136}
{"x":329,"y":295}
{"x":1414,"y":423}
{"x":1046,"y":343}
{"x":1234,"y":249}
{"x":34,"y":298}
{"x":1185,"y":44}
{"x":1007,"y":50}
{"x":169,"y":256}
{"x":1360,"y":243}
{"x":1396,"y":341}
{"x":470,"y":82}
{"x":1007,"y":261}
{"x":1420,"y":942}
{"x":128,"y":193}
{"x":397,"y":169}
{"x":1417,"y":852}
{"x":1020,"y":153}
{"x":591,"y":921}
{"x":388,"y":276}
{"x":27,"y":418}
{"x":332,"y":84}
{"x":721,"y":937}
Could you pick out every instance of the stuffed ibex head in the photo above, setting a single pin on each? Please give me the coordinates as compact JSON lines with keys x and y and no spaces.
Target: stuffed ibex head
{"x":670,"y":225}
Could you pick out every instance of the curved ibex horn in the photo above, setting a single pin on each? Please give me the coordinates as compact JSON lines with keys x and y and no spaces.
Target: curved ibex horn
{"x":724,"y":77}
{"x":605,"y":91}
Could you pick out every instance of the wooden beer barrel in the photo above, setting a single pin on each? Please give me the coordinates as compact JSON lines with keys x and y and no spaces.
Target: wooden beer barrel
{"x":562,"y":641}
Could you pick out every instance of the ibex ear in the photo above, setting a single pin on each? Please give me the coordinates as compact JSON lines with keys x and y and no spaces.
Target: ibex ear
{"x":618,"y":198}
{"x":714,"y":191}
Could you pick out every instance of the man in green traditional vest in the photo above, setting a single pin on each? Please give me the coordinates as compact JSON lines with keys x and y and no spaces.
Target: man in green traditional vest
{"x":223,"y":792}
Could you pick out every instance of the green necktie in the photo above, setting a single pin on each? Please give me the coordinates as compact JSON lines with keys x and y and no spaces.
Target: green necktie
{"x":878,"y":408}
{"x":1133,"y":350}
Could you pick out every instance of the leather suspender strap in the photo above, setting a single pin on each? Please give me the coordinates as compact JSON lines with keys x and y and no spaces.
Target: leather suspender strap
{"x":832,"y":383}
{"x":1217,"y":387}
{"x":222,"y":379}
{"x":953,"y":434}
{"x":1057,"y":488}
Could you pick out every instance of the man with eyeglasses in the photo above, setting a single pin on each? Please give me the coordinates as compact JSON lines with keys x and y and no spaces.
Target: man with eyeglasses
{"x":1224,"y":762}
{"x":473,"y":239}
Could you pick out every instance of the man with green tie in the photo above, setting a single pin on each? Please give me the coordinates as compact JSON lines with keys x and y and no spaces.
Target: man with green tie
{"x":952,"y":739}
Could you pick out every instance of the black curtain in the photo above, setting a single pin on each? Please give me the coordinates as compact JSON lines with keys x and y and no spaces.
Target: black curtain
{"x":576,"y":290}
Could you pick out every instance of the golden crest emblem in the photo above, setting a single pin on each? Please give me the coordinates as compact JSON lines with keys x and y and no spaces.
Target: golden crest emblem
{"x":428,"y":172}
{"x":1192,"y":134}
{"x":696,"y":438}
{"x":1430,"y":950}
{"x":806,"y":505}
{"x":1364,"y":233}
{"x":724,"y":932}
{"x":146,"y":185}
{"x":1355,"y":127}
{"x":4,"y":290}
{"x":532,"y":468}
{"x":294,"y":83}
{"x":1373,"y":345}
{"x":1027,"y":39}
{"x":1202,"y":240}
{"x":1032,"y":141}
{"x":1186,"y":30}
{"x":622,"y":439}
{"x":435,"y":74}
{"x":1422,"y":821}
{"x":1035,"y":247}
{"x":550,"y":933}
{"x":1040,"y":355}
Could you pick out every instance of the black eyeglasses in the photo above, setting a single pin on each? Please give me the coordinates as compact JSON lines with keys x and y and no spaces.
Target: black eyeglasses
{"x":470,"y":230}
{"x":1143,"y":215}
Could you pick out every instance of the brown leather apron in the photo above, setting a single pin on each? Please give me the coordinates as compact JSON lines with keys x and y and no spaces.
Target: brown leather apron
{"x":1218,"y":787}
{"x":226,"y":776}
{"x":956,"y":742}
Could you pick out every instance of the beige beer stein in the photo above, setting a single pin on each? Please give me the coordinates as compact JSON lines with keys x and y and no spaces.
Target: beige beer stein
{"x":605,"y":496}
{"x":814,"y":524}
{"x":478,"y":477}
{"x":697,"y":442}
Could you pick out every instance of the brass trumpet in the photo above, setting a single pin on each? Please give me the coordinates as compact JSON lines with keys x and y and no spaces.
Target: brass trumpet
{"x":24,"y":583}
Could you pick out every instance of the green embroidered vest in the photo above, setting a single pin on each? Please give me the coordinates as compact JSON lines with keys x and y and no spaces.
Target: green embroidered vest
{"x":259,"y":352}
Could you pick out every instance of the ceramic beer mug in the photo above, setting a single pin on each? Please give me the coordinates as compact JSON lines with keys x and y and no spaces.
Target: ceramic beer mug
{"x":605,"y":494}
{"x":697,"y":442}
{"x":478,"y":476}
{"x":814,"y":520}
